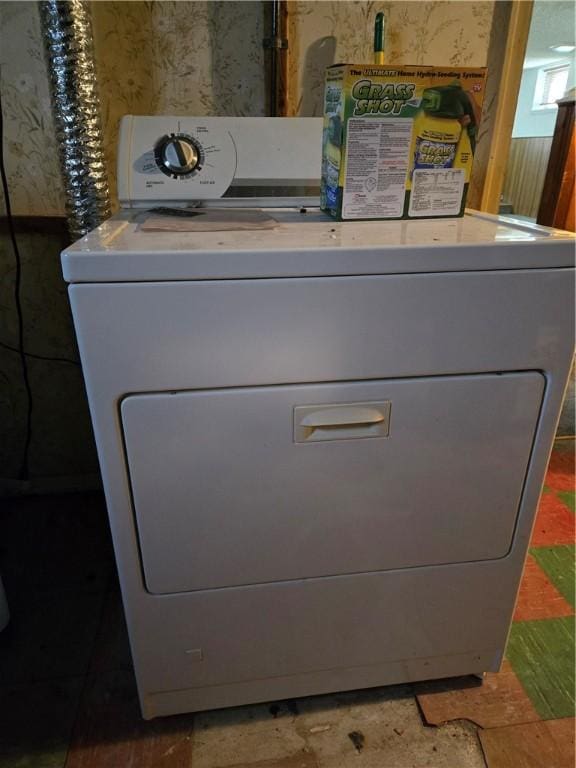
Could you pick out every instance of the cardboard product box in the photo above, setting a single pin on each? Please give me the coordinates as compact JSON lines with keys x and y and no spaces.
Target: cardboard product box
{"x":398,"y":142}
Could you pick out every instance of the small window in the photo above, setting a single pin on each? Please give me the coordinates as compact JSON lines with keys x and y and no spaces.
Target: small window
{"x":550,"y":86}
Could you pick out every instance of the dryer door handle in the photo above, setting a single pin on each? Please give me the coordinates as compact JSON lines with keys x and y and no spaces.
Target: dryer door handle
{"x":341,"y":415}
{"x":341,"y":422}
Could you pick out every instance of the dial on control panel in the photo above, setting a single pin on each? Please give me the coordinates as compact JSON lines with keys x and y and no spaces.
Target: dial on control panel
{"x":178,"y":155}
{"x":195,"y":161}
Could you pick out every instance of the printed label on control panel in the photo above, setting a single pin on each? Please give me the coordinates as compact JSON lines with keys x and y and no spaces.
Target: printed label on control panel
{"x":146,"y":163}
{"x":378,"y":153}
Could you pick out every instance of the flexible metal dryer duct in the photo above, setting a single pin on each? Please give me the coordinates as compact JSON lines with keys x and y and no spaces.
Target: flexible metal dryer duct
{"x":68,"y":42}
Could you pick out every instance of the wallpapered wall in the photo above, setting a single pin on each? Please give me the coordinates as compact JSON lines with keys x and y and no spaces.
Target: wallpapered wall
{"x":177,"y":58}
{"x":433,"y":33}
{"x":163,"y":57}
{"x":207,"y":58}
{"x":152,"y":58}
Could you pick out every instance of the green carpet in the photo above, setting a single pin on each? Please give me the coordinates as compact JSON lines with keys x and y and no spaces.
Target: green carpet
{"x":542,"y":655}
{"x":559,"y":564}
{"x":569,"y":498}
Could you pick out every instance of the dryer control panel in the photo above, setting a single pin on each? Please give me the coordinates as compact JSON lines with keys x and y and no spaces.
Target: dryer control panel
{"x":181,"y":160}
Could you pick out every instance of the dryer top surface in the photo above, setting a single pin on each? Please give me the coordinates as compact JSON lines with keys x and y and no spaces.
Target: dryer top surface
{"x":311,"y":243}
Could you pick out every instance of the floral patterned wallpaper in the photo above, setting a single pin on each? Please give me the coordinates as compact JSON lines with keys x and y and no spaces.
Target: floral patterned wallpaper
{"x":177,"y":58}
{"x":31,"y":151}
{"x":152,"y":58}
{"x":206,"y":57}
{"x":434,"y":33}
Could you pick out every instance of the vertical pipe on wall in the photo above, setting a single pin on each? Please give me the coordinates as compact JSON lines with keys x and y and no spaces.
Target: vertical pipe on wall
{"x":68,"y":43}
{"x":284,"y":106}
{"x":274,"y":37}
{"x":275,"y":44}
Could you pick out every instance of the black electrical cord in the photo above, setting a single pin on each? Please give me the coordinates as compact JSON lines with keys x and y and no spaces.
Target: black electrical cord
{"x":24,"y":473}
{"x":34,"y":356}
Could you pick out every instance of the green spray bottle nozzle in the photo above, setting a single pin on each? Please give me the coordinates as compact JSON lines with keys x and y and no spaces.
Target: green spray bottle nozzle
{"x":451,"y":101}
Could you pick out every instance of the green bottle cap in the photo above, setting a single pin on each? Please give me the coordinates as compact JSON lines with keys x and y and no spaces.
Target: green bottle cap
{"x":379,"y":32}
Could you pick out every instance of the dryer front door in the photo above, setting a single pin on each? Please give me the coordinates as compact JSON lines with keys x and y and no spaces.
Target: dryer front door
{"x":263,"y":484}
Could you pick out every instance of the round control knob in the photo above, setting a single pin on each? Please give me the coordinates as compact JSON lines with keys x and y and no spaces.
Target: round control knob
{"x":178,"y":155}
